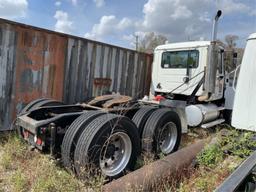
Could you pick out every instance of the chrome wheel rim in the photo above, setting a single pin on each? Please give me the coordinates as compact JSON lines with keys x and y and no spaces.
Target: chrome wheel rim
{"x":168,"y":137}
{"x":115,"y":154}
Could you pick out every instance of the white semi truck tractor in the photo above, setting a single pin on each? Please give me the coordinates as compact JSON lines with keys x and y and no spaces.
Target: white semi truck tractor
{"x":190,"y":88}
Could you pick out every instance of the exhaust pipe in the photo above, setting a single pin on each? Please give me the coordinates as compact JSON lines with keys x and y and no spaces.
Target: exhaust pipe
{"x":215,"y":25}
{"x":211,"y":69}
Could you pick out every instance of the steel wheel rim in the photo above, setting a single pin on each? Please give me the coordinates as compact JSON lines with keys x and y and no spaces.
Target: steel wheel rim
{"x":114,"y":162}
{"x":168,"y":137}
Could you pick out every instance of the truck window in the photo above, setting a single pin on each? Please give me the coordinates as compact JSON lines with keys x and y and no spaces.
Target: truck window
{"x":180,"y":59}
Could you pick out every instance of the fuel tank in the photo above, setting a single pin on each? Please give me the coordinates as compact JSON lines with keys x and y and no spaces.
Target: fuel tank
{"x":201,"y":113}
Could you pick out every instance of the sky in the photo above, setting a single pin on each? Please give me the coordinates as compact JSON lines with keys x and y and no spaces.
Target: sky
{"x":117,"y":22}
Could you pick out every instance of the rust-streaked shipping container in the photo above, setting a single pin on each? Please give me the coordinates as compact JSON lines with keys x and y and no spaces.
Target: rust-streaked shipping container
{"x":37,"y":63}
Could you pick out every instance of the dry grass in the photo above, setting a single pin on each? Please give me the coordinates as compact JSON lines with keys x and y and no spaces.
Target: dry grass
{"x":207,"y":179}
{"x":25,"y":170}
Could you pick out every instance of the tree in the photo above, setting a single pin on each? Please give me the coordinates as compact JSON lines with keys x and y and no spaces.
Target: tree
{"x":231,"y":40}
{"x":230,"y":49}
{"x":150,"y":42}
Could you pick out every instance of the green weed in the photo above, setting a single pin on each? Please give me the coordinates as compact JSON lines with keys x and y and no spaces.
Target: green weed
{"x":19,"y":181}
{"x":238,"y":143}
{"x":210,"y":156}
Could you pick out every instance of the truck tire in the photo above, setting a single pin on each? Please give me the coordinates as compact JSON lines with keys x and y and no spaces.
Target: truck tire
{"x":48,"y":102}
{"x":141,"y":116}
{"x":33,"y":105}
{"x":162,"y":132}
{"x":72,"y":135}
{"x":108,"y":146}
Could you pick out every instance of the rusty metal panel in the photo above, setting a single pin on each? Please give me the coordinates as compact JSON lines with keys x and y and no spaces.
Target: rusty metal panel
{"x":7,"y":73}
{"x":37,"y":63}
{"x":94,"y":69}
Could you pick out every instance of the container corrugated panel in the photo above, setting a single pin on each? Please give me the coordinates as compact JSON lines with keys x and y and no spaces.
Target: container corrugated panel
{"x":37,"y":63}
{"x":244,"y":115}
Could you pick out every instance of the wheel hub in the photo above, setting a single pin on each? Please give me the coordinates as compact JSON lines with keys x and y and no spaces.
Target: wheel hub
{"x":167,"y":137}
{"x":110,"y":151}
{"x":116,"y":154}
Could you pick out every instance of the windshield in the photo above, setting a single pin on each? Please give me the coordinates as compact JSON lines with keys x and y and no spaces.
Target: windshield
{"x":180,"y":59}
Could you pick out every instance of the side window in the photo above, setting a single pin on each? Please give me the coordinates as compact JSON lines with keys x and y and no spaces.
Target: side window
{"x":180,"y":59}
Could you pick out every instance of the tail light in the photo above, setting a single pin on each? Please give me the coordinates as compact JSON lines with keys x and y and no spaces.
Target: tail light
{"x":39,"y":141}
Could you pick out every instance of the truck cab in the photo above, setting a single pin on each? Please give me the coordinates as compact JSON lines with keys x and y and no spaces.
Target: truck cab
{"x":179,"y":67}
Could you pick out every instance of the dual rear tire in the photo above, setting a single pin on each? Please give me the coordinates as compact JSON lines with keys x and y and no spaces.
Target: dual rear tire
{"x":160,"y":130}
{"x":103,"y":143}
{"x":109,"y":144}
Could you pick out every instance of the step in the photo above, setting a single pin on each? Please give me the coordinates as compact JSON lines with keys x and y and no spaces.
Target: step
{"x":213,"y":123}
{"x":221,"y":108}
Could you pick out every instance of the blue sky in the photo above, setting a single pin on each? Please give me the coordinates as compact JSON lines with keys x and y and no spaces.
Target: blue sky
{"x":118,"y":21}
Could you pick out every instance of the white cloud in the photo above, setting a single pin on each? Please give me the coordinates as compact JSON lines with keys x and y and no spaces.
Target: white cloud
{"x":182,"y":12}
{"x":63,"y":23}
{"x":108,"y":25}
{"x":139,"y":34}
{"x":124,"y":23}
{"x":99,"y":3}
{"x":205,"y":17}
{"x":231,"y":6}
{"x":13,"y":9}
{"x":132,"y":37}
{"x":128,"y":37}
{"x":74,"y":2}
{"x":58,"y":3}
{"x":180,"y":20}
{"x":104,"y":27}
{"x":176,"y":19}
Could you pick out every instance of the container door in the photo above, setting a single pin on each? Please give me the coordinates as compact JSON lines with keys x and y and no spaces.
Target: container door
{"x":244,"y":111}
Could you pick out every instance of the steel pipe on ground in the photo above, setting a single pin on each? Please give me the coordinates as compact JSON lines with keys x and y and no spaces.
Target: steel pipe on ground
{"x":144,"y":178}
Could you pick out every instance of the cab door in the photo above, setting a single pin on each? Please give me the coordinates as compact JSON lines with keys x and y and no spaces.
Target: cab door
{"x":176,"y":69}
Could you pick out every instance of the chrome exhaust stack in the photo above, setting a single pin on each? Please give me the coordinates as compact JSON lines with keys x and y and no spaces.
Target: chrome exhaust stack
{"x":211,"y":68}
{"x":215,"y":25}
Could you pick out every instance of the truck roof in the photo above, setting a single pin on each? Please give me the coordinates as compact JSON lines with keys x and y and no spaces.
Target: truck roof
{"x":252,"y":36}
{"x":189,"y":44}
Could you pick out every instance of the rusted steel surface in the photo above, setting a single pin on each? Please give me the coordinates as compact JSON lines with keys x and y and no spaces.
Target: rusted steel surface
{"x":108,"y":101}
{"x":38,"y":63}
{"x":150,"y":175}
